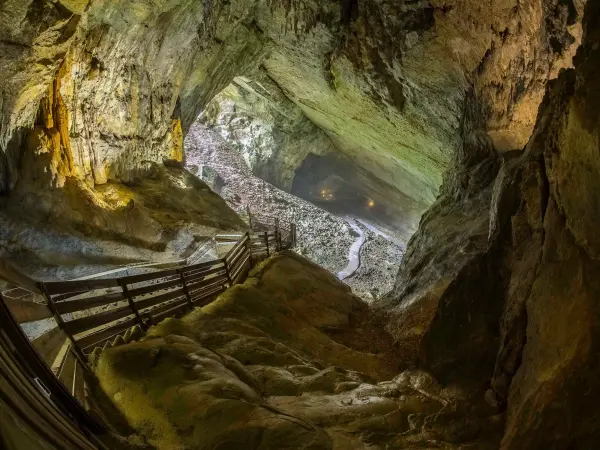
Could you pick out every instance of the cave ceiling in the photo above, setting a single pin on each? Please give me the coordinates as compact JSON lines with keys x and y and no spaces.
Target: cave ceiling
{"x":101,"y":90}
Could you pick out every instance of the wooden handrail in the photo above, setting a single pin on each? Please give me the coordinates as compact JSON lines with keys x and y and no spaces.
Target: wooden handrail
{"x":148,"y":295}
{"x":137,"y":302}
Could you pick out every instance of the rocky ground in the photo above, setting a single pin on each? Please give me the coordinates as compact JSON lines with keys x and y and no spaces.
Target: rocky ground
{"x":322,"y":237}
{"x":379,"y":260}
{"x":288,"y":360}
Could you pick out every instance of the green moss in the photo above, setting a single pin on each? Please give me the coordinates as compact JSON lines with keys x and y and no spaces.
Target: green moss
{"x":198,"y":381}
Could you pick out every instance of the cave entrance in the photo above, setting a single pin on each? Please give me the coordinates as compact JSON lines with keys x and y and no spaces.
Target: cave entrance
{"x":260,"y":152}
{"x":333,"y":182}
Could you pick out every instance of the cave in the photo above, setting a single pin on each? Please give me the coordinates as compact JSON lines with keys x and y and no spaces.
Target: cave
{"x":345,"y":224}
{"x":335,"y":184}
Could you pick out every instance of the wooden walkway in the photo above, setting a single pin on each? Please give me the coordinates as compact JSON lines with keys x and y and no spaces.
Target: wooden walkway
{"x":93,"y":314}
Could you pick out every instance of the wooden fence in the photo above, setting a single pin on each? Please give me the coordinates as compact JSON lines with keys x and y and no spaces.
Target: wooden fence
{"x":35,"y":400}
{"x":94,"y":314}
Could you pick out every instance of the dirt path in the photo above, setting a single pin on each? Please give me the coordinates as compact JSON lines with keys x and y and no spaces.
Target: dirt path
{"x":354,"y":251}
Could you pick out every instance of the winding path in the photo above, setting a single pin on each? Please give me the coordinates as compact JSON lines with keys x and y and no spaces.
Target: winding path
{"x":377,"y":231}
{"x":354,"y":252}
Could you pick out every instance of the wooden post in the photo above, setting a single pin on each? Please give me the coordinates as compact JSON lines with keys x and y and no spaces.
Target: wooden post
{"x":61,"y":324}
{"x":227,"y":272}
{"x":248,"y":247}
{"x":249,"y":216}
{"x":131,"y":302}
{"x":267,"y":242}
{"x":277,"y":235}
{"x":185,"y":288}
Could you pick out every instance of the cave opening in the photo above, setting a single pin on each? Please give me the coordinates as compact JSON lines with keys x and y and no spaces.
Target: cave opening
{"x":334,"y":183}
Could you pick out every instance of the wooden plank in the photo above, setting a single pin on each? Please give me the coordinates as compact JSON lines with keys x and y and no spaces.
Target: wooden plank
{"x":189,"y":273}
{"x":243,"y":273}
{"x":204,"y":274}
{"x":236,"y":271}
{"x":215,"y":291}
{"x":228,"y":237}
{"x":148,"y":276}
{"x":202,"y":265}
{"x":234,"y":267}
{"x":222,"y":271}
{"x":26,"y":310}
{"x":237,"y":246}
{"x":201,"y":292}
{"x":27,"y":404}
{"x":208,"y":296}
{"x":234,"y":255}
{"x":87,"y":303}
{"x":60,"y":358}
{"x":172,"y":312}
{"x":148,"y":302}
{"x":78,"y":389}
{"x":67,"y":370}
{"x":49,"y":344}
{"x":156,"y":312}
{"x":86,"y":323}
{"x":61,"y":297}
{"x":237,"y":257}
{"x":63,"y":287}
{"x":195,"y":286}
{"x":155,"y":287}
{"x":87,"y":343}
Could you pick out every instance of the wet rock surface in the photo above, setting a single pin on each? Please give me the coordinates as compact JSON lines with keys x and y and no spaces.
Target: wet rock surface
{"x":258,"y":368}
{"x":105,"y":89}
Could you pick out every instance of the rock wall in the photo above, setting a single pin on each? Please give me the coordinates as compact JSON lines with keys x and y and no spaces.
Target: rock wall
{"x":100,"y":90}
{"x":120,"y":81}
{"x":513,"y":281}
{"x":270,"y":131}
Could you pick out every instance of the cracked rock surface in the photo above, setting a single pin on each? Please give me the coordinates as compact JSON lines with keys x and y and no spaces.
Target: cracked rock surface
{"x":505,"y":271}
{"x":267,"y":366}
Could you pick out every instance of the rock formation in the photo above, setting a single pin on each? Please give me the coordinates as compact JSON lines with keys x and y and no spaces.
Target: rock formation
{"x":271,"y":132}
{"x":504,"y":270}
{"x":496,"y":303}
{"x":101,"y":90}
{"x":266,"y":366}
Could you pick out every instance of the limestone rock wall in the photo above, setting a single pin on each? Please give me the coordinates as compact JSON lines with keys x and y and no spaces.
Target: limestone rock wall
{"x":513,"y":282}
{"x":110,"y":100}
{"x":288,"y":360}
{"x":270,"y":131}
{"x":100,"y":90}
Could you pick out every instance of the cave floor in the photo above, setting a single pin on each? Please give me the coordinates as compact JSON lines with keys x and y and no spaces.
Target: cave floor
{"x":290,"y":359}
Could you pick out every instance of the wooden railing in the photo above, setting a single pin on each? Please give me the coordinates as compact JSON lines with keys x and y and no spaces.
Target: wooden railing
{"x":33,"y":396}
{"x":94,"y":314}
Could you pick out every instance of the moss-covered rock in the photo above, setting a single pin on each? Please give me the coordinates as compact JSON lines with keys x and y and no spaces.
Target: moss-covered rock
{"x":257,"y":369}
